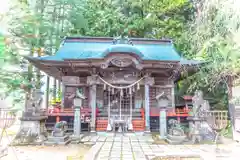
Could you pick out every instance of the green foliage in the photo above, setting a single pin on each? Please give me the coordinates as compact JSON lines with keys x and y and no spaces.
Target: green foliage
{"x":213,"y":36}
{"x":154,"y":19}
{"x":35,"y":28}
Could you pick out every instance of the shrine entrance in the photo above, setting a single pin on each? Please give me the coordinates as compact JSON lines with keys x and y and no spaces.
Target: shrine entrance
{"x":121,"y":107}
{"x":116,"y":105}
{"x":119,"y":101}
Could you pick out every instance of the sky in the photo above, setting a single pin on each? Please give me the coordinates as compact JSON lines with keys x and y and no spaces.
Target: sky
{"x":4,"y":6}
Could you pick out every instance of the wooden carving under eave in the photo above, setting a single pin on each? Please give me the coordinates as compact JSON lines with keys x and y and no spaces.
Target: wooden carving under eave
{"x":70,"y":80}
{"x":93,"y":79}
{"x":121,"y":61}
{"x":149,"y":81}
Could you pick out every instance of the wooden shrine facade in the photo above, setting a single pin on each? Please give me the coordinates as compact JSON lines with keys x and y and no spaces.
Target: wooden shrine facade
{"x":122,"y":79}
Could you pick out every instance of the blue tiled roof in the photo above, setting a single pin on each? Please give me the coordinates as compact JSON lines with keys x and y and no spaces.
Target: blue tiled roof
{"x":97,"y":50}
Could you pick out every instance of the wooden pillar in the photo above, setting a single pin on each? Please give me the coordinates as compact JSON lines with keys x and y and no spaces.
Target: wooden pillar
{"x":147,"y":108}
{"x":47,"y":94}
{"x":93,"y":106}
{"x":92,"y":82}
{"x":148,"y":82}
{"x":62,"y":98}
{"x":173,"y":95}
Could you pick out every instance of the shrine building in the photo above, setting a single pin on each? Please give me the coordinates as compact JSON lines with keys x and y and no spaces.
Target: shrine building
{"x":125,"y":82}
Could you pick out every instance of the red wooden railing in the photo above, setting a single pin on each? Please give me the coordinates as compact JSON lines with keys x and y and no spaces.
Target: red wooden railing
{"x":138,"y":124}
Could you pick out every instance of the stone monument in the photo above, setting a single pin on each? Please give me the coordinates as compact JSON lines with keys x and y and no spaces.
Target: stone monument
{"x":163,"y":102}
{"x":32,"y":129}
{"x":198,"y":117}
{"x":78,"y":97}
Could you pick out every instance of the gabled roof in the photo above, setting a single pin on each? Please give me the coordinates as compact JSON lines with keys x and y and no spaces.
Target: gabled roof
{"x":97,"y":48}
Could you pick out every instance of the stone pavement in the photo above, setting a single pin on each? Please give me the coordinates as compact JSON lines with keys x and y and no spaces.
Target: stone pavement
{"x":139,"y":147}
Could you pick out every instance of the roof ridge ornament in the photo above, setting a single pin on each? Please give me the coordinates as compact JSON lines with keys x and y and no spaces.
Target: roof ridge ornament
{"x":122,"y":40}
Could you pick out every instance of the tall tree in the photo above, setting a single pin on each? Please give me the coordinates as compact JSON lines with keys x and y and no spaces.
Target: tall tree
{"x":145,"y":18}
{"x":213,"y":37}
{"x":31,"y":32}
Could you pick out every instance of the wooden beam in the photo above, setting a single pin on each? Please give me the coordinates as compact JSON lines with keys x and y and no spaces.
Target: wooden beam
{"x":163,"y":86}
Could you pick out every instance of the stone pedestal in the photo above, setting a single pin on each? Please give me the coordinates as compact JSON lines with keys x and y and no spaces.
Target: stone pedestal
{"x":163,"y":123}
{"x":32,"y":129}
{"x":194,"y":129}
{"x":77,"y":122}
{"x":59,"y":136}
{"x":61,"y":140}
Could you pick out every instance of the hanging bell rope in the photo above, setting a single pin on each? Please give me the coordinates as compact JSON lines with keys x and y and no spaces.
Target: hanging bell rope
{"x":122,"y":87}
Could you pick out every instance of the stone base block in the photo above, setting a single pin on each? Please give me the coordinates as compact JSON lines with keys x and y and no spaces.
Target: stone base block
{"x":176,"y":139}
{"x":58,"y":140}
{"x":32,"y":131}
{"x":58,"y":134}
{"x":48,"y":143}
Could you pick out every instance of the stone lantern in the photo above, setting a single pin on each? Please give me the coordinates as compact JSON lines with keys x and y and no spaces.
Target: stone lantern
{"x":163,"y":102}
{"x":77,"y":102}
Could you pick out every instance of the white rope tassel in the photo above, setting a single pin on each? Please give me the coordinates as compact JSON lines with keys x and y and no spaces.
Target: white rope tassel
{"x":138,"y":86}
{"x":121,"y":92}
{"x":130,"y":91}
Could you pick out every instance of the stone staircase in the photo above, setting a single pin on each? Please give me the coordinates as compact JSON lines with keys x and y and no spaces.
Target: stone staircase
{"x":137,"y":119}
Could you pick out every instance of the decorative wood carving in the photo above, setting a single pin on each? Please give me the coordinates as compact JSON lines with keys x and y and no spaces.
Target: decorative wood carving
{"x":70,"y":80}
{"x":124,"y":77}
{"x":121,"y":61}
{"x":149,"y":81}
{"x":91,"y":80}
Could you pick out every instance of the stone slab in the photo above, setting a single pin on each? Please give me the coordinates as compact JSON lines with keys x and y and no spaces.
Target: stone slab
{"x":85,"y":139}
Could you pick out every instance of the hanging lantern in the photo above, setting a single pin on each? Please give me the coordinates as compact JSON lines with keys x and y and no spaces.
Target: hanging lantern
{"x":133,"y":89}
{"x":104,"y":87}
{"x":138,"y":86}
{"x":109,"y":89}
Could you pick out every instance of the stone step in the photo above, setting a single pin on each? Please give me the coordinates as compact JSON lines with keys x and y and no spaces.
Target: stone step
{"x":58,"y":139}
{"x":51,"y":143}
{"x":174,"y":142}
{"x":176,"y":138}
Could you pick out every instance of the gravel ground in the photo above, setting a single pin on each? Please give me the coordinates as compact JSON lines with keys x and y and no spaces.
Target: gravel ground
{"x":45,"y":152}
